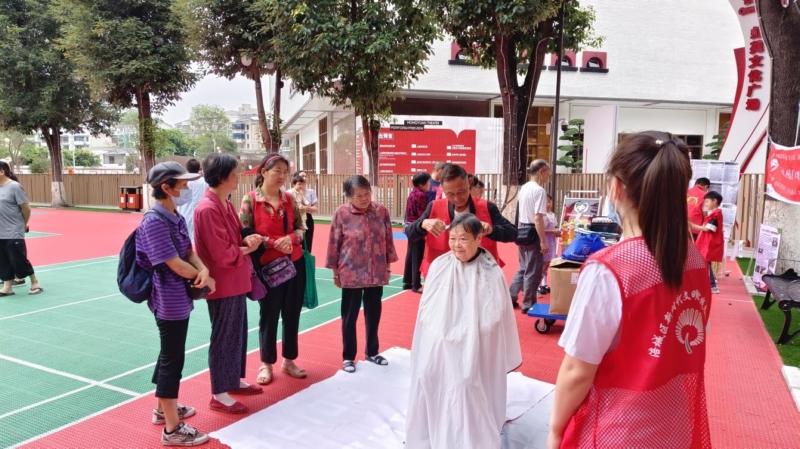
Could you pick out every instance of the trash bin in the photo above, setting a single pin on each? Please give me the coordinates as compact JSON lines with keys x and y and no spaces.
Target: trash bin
{"x":123,"y":198}
{"x":133,"y":198}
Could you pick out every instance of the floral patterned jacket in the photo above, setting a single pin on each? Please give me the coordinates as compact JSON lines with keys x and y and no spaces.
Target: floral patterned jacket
{"x":361,"y":246}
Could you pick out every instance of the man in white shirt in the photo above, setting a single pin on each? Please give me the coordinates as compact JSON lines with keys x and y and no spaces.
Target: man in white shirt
{"x":532,"y":208}
{"x":197,"y":188}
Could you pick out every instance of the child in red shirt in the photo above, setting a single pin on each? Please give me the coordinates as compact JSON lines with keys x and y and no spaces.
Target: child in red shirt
{"x":711,"y":241}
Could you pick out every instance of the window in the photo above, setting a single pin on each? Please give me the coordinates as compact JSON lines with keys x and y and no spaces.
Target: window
{"x":594,"y":63}
{"x":539,"y":133}
{"x":310,"y":158}
{"x":323,"y":146}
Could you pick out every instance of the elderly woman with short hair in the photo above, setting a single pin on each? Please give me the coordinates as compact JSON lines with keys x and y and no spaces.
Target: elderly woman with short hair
{"x":360,"y":252}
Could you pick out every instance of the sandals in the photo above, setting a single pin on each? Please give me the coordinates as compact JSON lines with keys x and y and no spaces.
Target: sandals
{"x":292,"y":370}
{"x":349,"y":366}
{"x":2,"y":294}
{"x":378,"y":360}
{"x":36,"y":291}
{"x":264,"y":375}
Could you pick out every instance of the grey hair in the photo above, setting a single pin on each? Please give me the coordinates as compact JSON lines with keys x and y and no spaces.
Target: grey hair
{"x":470,"y":223}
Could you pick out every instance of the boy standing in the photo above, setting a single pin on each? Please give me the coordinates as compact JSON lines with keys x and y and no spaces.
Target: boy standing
{"x":711,"y":241}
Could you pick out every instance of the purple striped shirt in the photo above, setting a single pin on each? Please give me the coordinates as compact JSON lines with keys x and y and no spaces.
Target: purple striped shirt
{"x":154,"y":245}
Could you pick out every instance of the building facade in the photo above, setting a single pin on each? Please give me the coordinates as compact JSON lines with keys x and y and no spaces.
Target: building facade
{"x":663,"y":65}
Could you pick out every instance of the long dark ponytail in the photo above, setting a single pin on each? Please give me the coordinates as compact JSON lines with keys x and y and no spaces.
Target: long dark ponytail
{"x":7,"y":170}
{"x":655,"y":170}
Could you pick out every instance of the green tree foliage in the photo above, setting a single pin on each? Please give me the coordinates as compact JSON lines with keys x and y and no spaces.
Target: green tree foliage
{"x":513,"y":36}
{"x":171,"y":142}
{"x":227,"y":38}
{"x":39,"y":89}
{"x":11,"y":144}
{"x":132,"y":52}
{"x":357,"y":53}
{"x":211,"y":129}
{"x":36,"y":158}
{"x":717,"y":142}
{"x":573,"y":150}
{"x":82,"y":158}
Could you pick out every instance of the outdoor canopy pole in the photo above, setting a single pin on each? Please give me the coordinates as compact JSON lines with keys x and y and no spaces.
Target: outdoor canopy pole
{"x":554,"y":128}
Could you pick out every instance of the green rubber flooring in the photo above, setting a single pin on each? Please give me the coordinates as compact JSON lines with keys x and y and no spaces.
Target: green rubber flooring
{"x":81,"y":347}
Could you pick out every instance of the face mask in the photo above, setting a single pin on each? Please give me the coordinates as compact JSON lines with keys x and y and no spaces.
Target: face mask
{"x":184,"y":198}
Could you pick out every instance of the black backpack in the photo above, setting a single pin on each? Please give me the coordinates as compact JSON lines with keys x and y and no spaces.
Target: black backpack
{"x":135,"y":282}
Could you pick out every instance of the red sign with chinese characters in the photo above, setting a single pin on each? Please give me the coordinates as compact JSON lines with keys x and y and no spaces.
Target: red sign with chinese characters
{"x":783,"y":173}
{"x":755,"y":52}
{"x":409,"y":149}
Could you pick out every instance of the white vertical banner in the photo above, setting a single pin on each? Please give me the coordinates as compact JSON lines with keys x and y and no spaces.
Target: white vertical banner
{"x":769,"y":242}
{"x":599,"y":138}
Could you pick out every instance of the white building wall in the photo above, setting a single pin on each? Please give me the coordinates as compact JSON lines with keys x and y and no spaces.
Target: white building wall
{"x":675,"y":51}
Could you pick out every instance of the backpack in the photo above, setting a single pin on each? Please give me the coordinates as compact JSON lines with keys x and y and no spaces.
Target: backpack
{"x":134,"y":282}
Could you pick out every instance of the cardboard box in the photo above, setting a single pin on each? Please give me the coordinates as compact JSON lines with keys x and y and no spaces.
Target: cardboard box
{"x":563,"y":281}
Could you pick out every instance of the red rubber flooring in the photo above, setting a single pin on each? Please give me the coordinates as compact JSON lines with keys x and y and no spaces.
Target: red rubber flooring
{"x":749,"y":404}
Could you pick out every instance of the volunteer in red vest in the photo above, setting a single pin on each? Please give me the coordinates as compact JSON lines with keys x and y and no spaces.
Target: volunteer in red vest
{"x":635,"y":340}
{"x":694,"y":203}
{"x":433,"y":224}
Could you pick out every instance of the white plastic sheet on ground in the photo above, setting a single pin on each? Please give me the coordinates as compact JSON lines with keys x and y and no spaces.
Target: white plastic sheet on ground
{"x":367,"y":410}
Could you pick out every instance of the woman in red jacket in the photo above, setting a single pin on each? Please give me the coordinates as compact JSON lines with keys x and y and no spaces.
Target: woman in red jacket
{"x":221,"y":247}
{"x":272,"y":213}
{"x":632,"y":376}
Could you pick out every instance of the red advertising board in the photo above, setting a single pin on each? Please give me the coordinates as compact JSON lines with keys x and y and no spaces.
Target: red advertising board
{"x":415,"y":146}
{"x":783,"y":173}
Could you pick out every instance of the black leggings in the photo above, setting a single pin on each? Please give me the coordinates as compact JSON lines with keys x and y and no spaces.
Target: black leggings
{"x":309,"y":232}
{"x":284,"y":301}
{"x":169,"y":366}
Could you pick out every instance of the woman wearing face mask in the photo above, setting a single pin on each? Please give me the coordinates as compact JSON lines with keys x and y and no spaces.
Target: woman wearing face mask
{"x":219,"y":242}
{"x":163,"y":247}
{"x":273,"y":214}
{"x":635,"y":347}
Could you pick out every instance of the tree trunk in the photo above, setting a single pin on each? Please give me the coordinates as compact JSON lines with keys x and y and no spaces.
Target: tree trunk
{"x":780,"y":27}
{"x":516,"y":105}
{"x":146,"y":131}
{"x":276,"y":113}
{"x":52,"y":136}
{"x":371,"y":128}
{"x":262,"y":113}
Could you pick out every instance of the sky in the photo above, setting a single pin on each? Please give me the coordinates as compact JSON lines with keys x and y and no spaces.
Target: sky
{"x":213,"y":90}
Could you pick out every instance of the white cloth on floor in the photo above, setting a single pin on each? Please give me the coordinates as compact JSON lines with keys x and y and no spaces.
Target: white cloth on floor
{"x":367,"y":410}
{"x":465,"y":342}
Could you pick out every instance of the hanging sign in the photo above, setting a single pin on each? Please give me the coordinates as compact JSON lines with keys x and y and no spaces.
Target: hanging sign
{"x":783,"y":173}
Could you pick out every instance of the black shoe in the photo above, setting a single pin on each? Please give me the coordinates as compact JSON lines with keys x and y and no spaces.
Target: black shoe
{"x":524,"y":310}
{"x":542,"y":290}
{"x":515,"y":304}
{"x":406,"y":287}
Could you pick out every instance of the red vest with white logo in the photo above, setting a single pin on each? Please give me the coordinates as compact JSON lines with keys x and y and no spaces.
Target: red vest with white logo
{"x":649,"y":389}
{"x":436,"y":246}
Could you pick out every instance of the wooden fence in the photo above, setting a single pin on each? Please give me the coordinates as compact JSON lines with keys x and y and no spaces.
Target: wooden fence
{"x":103,"y":191}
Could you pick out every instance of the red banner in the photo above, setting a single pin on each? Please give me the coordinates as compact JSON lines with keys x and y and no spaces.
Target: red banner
{"x":408,"y":149}
{"x":783,"y":173}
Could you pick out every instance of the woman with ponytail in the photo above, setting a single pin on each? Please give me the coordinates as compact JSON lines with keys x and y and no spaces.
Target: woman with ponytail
{"x":14,"y":215}
{"x":634,"y":344}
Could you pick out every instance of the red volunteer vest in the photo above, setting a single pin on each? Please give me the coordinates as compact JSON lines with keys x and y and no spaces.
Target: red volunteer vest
{"x":712,"y":244}
{"x":649,"y":389}
{"x":436,"y":246}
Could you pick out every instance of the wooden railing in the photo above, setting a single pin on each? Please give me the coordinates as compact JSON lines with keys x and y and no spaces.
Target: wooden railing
{"x":392,"y":191}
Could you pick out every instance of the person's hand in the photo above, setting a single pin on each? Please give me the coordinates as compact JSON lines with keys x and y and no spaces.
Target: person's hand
{"x":204,"y":279}
{"x":252,"y":241}
{"x":284,"y":244}
{"x":434,"y":226}
{"x":545,"y":248}
{"x":554,"y":441}
{"x":336,"y":280}
{"x":487,"y":228}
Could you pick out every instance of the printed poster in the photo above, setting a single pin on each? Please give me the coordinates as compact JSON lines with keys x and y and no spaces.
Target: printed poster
{"x":769,"y":241}
{"x":579,"y":212}
{"x":783,"y":173}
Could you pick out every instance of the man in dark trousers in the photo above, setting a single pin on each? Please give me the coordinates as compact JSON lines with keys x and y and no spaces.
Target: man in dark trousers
{"x":434,"y":224}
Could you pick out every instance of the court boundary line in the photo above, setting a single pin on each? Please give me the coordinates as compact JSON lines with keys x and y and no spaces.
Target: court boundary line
{"x":33,"y":312}
{"x":97,"y":298}
{"x":88,"y":259}
{"x":128,"y":401}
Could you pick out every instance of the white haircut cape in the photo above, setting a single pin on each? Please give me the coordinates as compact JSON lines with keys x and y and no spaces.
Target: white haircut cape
{"x":465,"y":342}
